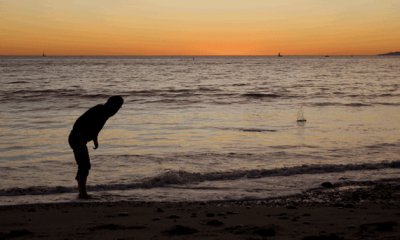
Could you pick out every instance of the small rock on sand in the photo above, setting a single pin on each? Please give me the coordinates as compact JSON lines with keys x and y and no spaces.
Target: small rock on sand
{"x":384,"y":227}
{"x":107,"y":227}
{"x":231,"y":213}
{"x":323,"y":237}
{"x":265,"y":232}
{"x":114,"y":227}
{"x":18,"y":233}
{"x":215,"y":222}
{"x":338,"y":205}
{"x":327,"y":184}
{"x":179,"y":230}
{"x":381,"y":226}
{"x":160,"y":210}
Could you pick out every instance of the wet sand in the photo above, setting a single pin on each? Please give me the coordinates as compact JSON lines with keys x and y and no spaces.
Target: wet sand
{"x":356,"y":211}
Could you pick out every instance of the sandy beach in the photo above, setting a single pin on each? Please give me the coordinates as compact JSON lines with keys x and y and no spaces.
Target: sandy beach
{"x":356,"y":211}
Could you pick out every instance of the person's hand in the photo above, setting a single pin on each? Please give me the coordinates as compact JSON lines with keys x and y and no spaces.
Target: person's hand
{"x":95,"y":142}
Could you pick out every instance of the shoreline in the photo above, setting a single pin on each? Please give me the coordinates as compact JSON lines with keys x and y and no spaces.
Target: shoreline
{"x":328,"y":194}
{"x":325,"y":195}
{"x":369,"y":210}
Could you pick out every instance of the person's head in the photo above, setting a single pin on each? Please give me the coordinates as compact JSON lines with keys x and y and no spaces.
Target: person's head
{"x":113,"y":104}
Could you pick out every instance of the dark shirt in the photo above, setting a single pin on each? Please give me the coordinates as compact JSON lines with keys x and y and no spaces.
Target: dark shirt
{"x":91,"y":122}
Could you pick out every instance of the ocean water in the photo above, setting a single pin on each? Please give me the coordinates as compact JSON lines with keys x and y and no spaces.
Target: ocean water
{"x":198,"y":128}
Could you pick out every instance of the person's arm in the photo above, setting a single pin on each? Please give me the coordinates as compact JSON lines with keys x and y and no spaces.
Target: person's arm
{"x":96,"y":143}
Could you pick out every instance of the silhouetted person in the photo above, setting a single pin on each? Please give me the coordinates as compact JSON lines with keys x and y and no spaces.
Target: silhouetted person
{"x":85,"y":129}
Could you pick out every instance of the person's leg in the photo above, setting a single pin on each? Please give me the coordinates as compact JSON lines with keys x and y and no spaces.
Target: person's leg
{"x":83,"y":161}
{"x":82,"y":186}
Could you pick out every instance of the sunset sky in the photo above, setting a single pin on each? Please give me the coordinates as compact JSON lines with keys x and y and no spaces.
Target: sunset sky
{"x":199,"y":27}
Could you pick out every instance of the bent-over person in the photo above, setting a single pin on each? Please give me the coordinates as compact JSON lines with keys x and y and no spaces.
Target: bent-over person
{"x":86,"y":129}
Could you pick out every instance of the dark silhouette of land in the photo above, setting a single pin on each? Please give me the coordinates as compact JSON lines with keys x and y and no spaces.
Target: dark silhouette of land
{"x":390,"y":54}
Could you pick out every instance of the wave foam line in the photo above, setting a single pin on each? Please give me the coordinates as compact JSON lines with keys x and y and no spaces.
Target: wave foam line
{"x":183,"y":177}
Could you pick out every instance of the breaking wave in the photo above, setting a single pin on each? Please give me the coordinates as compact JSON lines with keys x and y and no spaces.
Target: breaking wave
{"x":182,"y":177}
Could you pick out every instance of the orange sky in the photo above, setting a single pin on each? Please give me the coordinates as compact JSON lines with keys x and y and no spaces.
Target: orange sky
{"x":204,"y":27}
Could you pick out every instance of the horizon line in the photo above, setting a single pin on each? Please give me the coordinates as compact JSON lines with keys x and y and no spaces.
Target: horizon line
{"x":323,"y":55}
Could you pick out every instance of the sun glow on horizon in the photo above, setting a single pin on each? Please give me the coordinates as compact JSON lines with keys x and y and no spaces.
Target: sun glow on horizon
{"x":176,"y":27}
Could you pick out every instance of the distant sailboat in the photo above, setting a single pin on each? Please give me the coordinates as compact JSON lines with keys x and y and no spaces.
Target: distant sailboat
{"x":43,"y":55}
{"x":300,"y":115}
{"x":326,"y":55}
{"x":279,"y":55}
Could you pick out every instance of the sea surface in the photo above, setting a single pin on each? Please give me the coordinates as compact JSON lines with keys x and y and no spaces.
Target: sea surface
{"x":198,"y":128}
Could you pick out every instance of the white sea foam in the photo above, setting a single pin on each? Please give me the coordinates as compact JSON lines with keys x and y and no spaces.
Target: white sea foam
{"x":184,"y":178}
{"x":220,"y":190}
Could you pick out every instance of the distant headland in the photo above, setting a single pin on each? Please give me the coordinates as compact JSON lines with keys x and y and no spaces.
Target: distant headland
{"x":390,"y":54}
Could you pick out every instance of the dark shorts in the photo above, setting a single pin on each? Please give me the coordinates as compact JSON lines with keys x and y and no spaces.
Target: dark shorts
{"x":81,"y":158}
